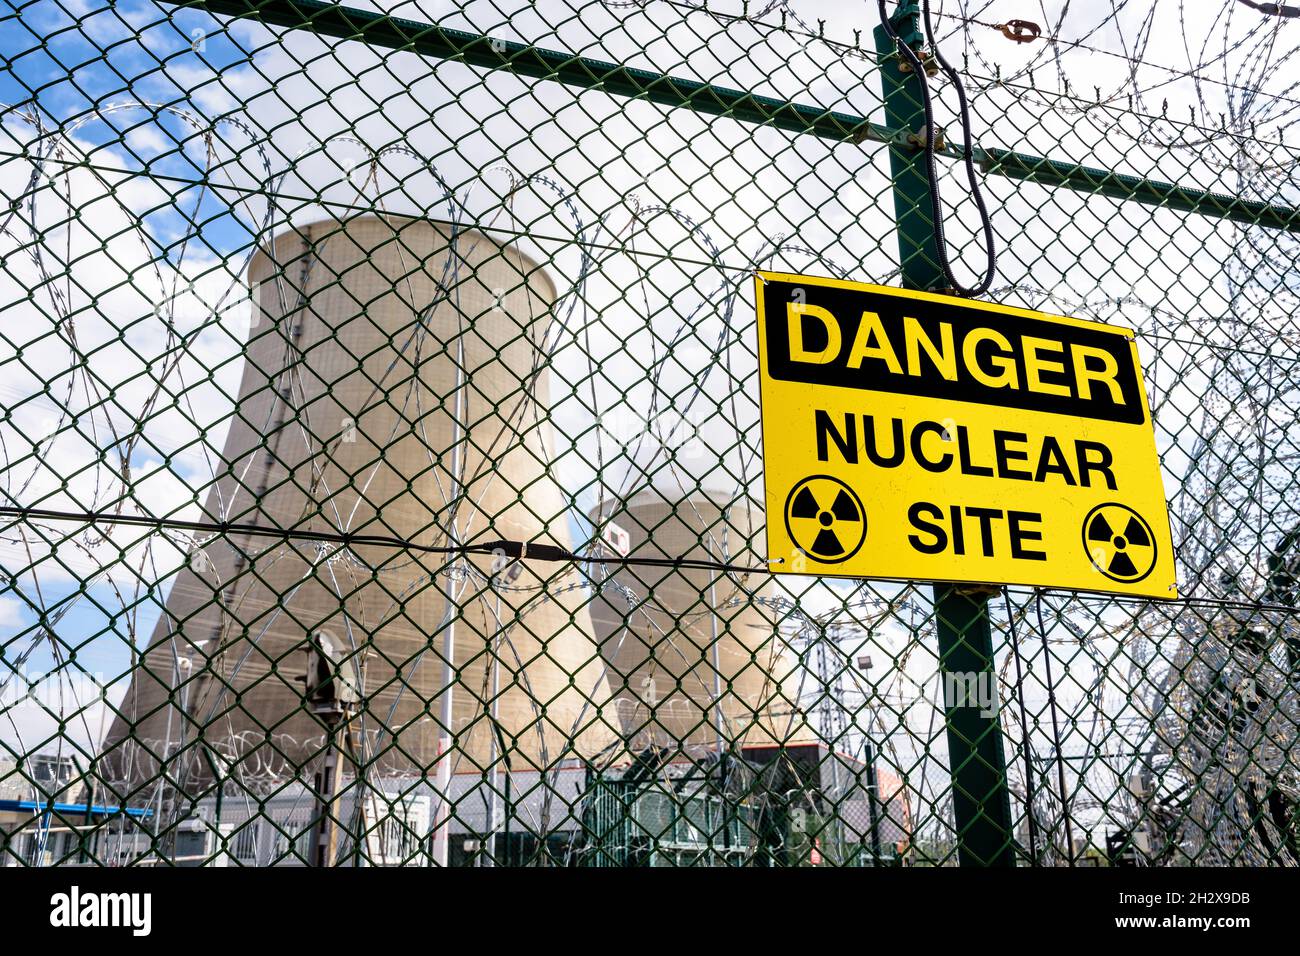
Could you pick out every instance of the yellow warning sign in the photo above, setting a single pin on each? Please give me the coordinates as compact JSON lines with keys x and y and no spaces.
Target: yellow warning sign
{"x":916,"y":436}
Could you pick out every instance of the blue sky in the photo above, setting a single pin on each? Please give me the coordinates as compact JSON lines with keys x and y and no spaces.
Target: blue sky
{"x":72,"y":59}
{"x":66,"y":60}
{"x":92,"y":628}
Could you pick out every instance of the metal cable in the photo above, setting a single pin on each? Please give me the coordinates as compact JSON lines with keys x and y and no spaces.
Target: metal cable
{"x":968,"y":154}
{"x":512,"y":549}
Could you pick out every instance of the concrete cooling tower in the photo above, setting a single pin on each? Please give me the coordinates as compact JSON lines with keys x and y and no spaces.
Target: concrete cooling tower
{"x":695,"y":660}
{"x":394,"y":385}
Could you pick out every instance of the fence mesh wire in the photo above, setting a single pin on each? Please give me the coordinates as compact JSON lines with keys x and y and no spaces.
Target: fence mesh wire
{"x":312,"y":315}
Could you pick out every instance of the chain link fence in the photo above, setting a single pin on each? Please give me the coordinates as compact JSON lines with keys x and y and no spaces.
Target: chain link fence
{"x":382,"y":481}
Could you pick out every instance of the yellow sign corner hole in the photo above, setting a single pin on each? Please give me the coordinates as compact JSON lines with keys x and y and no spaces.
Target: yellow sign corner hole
{"x":915,"y":436}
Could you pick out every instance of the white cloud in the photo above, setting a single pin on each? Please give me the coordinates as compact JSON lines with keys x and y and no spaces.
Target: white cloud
{"x":73,"y":728}
{"x":12,"y":612}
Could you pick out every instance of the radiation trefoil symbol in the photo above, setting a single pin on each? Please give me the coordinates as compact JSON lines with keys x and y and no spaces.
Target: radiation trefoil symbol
{"x":825,"y":519}
{"x":1119,"y":542}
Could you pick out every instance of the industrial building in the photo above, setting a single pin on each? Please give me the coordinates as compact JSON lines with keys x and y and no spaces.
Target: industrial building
{"x":50,"y":813}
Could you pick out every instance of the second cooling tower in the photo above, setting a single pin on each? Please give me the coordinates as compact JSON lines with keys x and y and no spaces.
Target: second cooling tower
{"x":694,"y":654}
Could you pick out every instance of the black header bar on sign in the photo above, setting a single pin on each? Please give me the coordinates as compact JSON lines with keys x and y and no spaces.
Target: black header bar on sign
{"x":904,"y":344}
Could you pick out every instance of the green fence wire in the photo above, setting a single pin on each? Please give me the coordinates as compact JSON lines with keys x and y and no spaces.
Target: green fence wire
{"x":382,"y":481}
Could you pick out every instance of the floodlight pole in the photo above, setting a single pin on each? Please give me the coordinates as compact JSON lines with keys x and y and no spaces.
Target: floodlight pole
{"x":980,"y":797}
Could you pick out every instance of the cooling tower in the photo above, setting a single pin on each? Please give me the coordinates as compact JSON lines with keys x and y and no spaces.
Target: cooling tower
{"x":394,"y":385}
{"x":694,"y":656}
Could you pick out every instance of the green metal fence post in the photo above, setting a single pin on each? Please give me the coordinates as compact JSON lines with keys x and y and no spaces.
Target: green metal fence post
{"x":981,"y":800}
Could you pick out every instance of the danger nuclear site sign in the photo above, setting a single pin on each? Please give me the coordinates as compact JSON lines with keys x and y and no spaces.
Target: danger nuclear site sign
{"x":923,"y":437}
